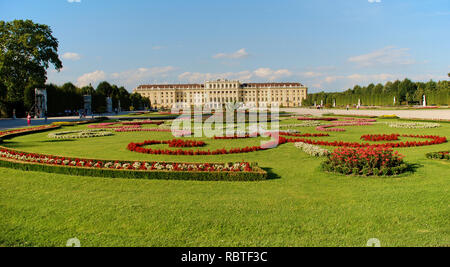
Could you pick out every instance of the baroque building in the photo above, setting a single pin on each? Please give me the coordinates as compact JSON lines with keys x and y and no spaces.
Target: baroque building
{"x":219,"y":92}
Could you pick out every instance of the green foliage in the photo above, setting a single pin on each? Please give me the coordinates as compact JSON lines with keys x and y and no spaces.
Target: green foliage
{"x":26,"y":51}
{"x":439,"y":155}
{"x":405,"y":92}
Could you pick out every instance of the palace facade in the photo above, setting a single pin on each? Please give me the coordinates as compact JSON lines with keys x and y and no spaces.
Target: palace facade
{"x":224,"y":91}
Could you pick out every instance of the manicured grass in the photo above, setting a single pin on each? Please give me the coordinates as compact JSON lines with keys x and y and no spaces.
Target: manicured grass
{"x":299,"y":206}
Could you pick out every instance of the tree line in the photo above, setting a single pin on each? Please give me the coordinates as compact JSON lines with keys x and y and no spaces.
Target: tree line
{"x":27,"y":50}
{"x":405,"y":92}
{"x":70,"y":97}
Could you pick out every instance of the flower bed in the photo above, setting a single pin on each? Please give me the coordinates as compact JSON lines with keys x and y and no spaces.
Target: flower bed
{"x":242,"y":171}
{"x":367,"y":161}
{"x":105,"y":125}
{"x":304,"y":124}
{"x":177,"y":133}
{"x":348,"y":122}
{"x":435,"y":140}
{"x":315,"y":151}
{"x":138,"y":147}
{"x":445,"y":155}
{"x":142,"y":122}
{"x":316,"y":119}
{"x":380,"y":137}
{"x":79,"y":134}
{"x":414,"y":125}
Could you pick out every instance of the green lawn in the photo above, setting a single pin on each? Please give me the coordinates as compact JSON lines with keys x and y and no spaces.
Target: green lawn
{"x":298,"y":206}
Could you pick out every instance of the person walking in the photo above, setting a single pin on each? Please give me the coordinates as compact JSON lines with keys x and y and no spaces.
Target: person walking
{"x":29,"y":119}
{"x":348,"y":107}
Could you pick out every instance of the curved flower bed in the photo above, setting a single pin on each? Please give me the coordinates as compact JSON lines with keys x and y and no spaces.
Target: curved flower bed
{"x":142,"y":122}
{"x":367,"y":161}
{"x":435,"y":140}
{"x":79,"y":134}
{"x":241,"y":171}
{"x":445,"y":155}
{"x":315,"y":151}
{"x":316,"y":119}
{"x":138,"y":147}
{"x":304,"y":124}
{"x":380,"y":137}
{"x":178,"y":133}
{"x":414,"y":125}
{"x":348,"y":122}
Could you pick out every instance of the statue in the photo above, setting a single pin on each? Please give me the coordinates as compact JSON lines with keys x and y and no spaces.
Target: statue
{"x":424,"y":101}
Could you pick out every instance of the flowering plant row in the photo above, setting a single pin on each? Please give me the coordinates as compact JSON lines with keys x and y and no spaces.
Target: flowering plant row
{"x":138,"y":147}
{"x":131,"y":169}
{"x":176,"y":132}
{"x":380,"y":137}
{"x":414,"y":125}
{"x":347,"y":122}
{"x":365,"y":161}
{"x":304,"y":124}
{"x":312,"y":150}
{"x":103,"y":125}
{"x":439,"y":155}
{"x":435,"y":140}
{"x":79,"y":134}
{"x":316,"y":119}
{"x":142,"y":122}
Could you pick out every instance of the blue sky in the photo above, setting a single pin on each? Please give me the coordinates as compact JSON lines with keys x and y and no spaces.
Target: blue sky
{"x":327,"y":45}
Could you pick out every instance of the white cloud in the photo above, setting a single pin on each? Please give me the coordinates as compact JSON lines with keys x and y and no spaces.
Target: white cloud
{"x":241,"y":53}
{"x":362,"y":78}
{"x":374,"y":1}
{"x":389,"y":55}
{"x":141,"y":75}
{"x":92,"y":77}
{"x":311,"y":74}
{"x":71,"y":56}
{"x":74,"y":1}
{"x":262,"y":74}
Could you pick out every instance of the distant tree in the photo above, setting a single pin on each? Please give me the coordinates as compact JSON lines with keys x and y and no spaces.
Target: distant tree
{"x":26,"y":51}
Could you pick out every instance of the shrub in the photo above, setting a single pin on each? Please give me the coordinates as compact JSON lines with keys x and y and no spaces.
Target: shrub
{"x":366,"y":161}
{"x":445,"y":155}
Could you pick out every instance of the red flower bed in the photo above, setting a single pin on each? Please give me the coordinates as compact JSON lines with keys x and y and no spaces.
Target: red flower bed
{"x":435,"y":140}
{"x":380,"y":137}
{"x":316,"y":119}
{"x":365,"y":161}
{"x":142,"y":122}
{"x":268,"y":134}
{"x":347,"y":122}
{"x":138,"y":147}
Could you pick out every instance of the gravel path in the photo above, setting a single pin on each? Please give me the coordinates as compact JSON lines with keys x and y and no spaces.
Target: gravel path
{"x":410,"y":114}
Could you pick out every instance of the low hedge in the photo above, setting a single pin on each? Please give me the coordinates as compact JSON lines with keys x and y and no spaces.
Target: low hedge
{"x":445,"y":155}
{"x":257,"y":174}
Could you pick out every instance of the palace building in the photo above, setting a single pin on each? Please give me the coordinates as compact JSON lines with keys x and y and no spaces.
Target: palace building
{"x":224,"y":91}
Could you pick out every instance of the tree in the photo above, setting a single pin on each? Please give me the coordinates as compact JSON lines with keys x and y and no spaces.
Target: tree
{"x":26,"y":52}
